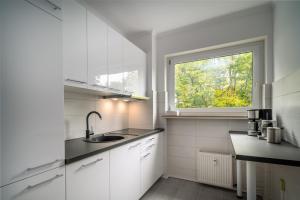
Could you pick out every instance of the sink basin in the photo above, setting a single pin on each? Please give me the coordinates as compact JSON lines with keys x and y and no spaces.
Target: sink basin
{"x":104,"y":138}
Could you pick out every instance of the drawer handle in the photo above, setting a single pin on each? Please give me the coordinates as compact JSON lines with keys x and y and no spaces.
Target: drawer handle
{"x":55,"y":7}
{"x":149,"y":140}
{"x":43,"y":165}
{"x":91,"y":163}
{"x":149,"y":147}
{"x":145,"y":156}
{"x":133,"y":146}
{"x":100,"y":86}
{"x":43,"y":182}
{"x":75,"y":81}
{"x":114,"y":89}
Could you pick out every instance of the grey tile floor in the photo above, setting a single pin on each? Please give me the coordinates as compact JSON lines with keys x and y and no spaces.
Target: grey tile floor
{"x":178,"y":189}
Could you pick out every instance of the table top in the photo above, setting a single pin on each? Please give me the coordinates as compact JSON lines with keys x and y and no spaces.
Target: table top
{"x":250,"y":148}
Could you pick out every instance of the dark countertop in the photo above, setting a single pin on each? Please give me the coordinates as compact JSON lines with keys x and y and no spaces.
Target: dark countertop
{"x":77,"y":149}
{"x":250,"y":148}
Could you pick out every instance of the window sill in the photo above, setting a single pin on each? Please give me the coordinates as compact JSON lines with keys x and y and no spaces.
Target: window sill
{"x":205,"y":115}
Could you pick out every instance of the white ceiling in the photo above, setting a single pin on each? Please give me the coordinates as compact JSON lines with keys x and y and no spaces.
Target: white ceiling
{"x":132,"y":16}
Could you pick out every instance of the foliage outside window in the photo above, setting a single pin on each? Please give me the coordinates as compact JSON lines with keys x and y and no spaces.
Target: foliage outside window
{"x":215,"y":82}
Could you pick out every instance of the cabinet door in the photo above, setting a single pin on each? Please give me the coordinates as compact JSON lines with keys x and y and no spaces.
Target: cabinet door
{"x":142,"y":72}
{"x":74,"y":43}
{"x":131,"y":71}
{"x":97,"y":51}
{"x":88,"y":178}
{"x":148,"y":162}
{"x":158,"y":156}
{"x":46,"y":186}
{"x":115,"y":60}
{"x":32,"y":99}
{"x":135,"y":69}
{"x":125,"y":172}
{"x":51,"y":6}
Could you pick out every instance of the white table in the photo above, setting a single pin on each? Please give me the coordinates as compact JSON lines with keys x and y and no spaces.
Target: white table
{"x":252,"y":150}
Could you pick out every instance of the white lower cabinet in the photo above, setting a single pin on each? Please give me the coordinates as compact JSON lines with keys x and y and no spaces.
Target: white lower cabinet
{"x":125,"y":172}
{"x":88,"y":178}
{"x":151,"y":161}
{"x":49,"y":185}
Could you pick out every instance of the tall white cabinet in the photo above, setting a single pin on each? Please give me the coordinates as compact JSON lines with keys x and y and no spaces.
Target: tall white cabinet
{"x":47,"y":186}
{"x":32,"y":137}
{"x":74,"y":43}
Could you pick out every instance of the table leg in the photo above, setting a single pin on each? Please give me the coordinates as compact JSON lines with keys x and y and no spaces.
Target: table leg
{"x":239,"y":180}
{"x":251,"y":180}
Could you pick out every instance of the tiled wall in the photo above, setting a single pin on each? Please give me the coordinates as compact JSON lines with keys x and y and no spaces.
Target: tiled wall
{"x":286,"y":92}
{"x":186,"y":137}
{"x":114,"y":114}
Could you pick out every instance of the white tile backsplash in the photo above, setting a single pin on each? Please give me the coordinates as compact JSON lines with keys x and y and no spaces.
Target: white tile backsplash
{"x":114,"y":114}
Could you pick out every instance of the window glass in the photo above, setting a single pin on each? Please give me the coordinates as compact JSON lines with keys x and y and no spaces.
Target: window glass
{"x":215,"y":82}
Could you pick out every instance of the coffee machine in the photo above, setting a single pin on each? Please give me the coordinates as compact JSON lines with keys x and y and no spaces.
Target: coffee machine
{"x":255,"y":117}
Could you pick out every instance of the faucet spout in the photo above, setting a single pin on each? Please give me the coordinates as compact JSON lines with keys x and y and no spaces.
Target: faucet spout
{"x":88,"y":132}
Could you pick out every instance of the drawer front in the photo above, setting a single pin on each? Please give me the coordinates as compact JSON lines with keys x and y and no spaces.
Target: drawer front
{"x":47,"y":186}
{"x":52,"y":7}
{"x":149,"y":143}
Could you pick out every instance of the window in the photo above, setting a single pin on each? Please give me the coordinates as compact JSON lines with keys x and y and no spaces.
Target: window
{"x":214,"y":82}
{"x":217,"y":79}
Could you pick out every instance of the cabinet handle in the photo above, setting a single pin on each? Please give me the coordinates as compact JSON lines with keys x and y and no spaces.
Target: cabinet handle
{"x":150,"y":140}
{"x":43,"y":165}
{"x":149,"y":147}
{"x":43,"y":182}
{"x":145,"y":156}
{"x":100,"y":86}
{"x":133,"y":146}
{"x":114,"y":89}
{"x":91,"y":163}
{"x":75,"y":81}
{"x":55,"y":7}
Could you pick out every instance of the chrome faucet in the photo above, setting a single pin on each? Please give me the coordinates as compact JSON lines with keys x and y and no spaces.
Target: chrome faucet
{"x":88,"y":133}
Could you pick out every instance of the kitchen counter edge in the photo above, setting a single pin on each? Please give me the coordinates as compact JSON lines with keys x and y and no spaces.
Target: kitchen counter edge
{"x":104,"y":149}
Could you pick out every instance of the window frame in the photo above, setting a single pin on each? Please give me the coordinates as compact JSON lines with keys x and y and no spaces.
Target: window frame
{"x":257,"y":48}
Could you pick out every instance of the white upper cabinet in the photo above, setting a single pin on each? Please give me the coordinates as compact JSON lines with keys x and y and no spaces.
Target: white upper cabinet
{"x":125,"y":172}
{"x":131,"y":72}
{"x":142,"y":69}
{"x":95,"y":56}
{"x":33,"y":94}
{"x":134,"y":69}
{"x":115,"y":60}
{"x":88,"y":178}
{"x":97,"y":51}
{"x":74,"y":43}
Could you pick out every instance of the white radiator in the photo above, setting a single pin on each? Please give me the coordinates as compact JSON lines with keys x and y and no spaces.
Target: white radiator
{"x":214,"y":169}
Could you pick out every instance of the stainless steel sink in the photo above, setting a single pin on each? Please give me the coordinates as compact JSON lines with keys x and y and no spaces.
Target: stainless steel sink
{"x":104,"y":138}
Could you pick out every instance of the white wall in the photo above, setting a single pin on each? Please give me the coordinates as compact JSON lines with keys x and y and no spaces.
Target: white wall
{"x":185,"y":137}
{"x":114,"y":114}
{"x":239,"y":26}
{"x":286,"y":91}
